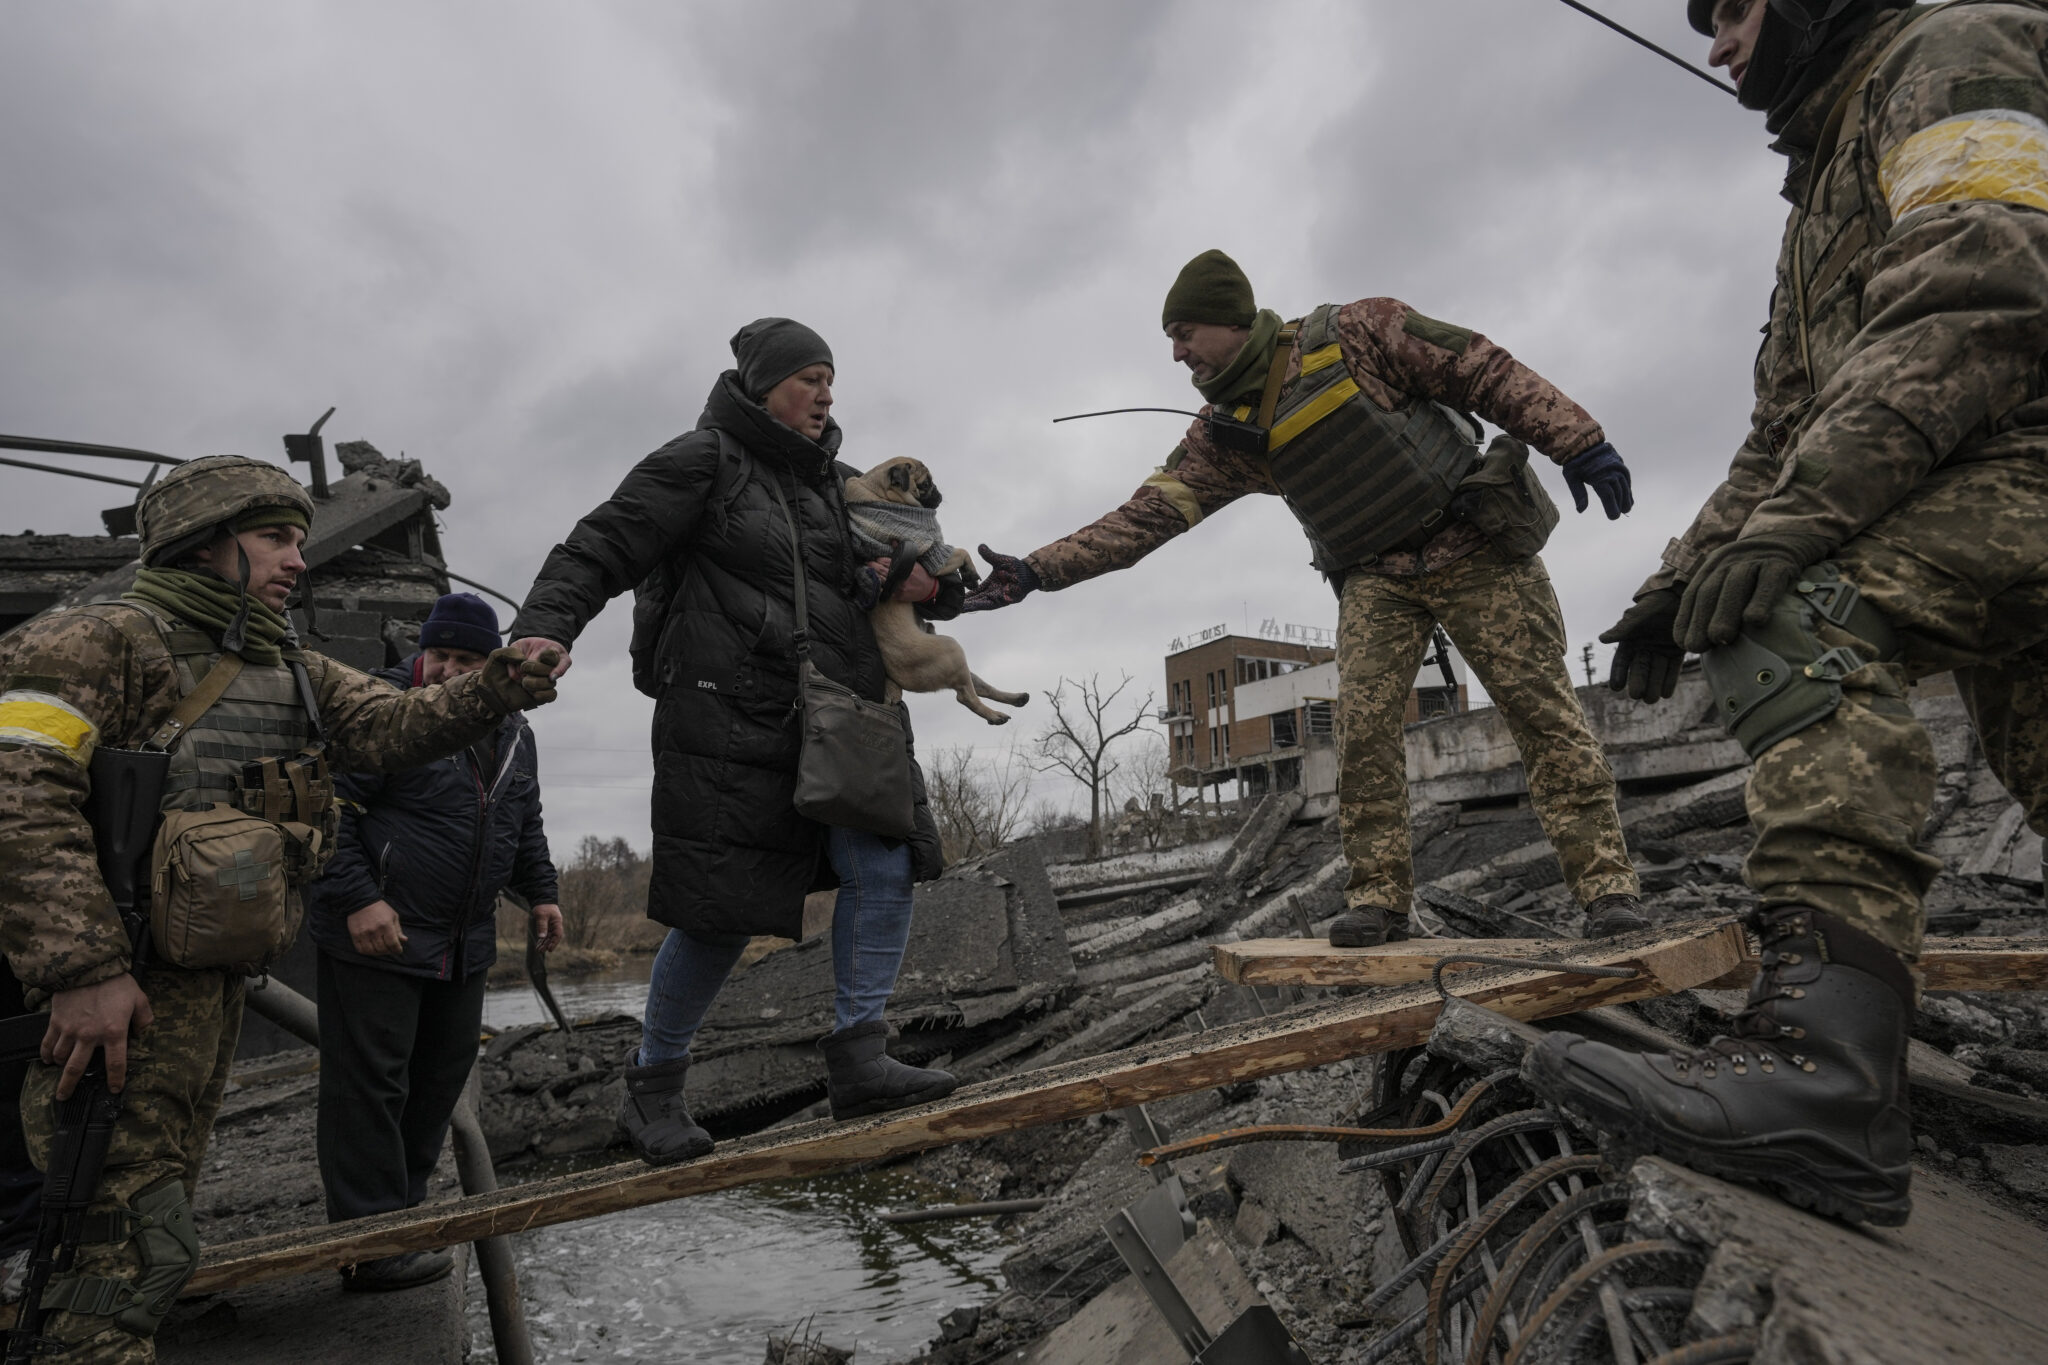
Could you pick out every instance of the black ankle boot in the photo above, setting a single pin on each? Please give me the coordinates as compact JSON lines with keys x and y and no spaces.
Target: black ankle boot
{"x":862,"y":1078}
{"x":654,"y":1116}
{"x":1807,"y":1098}
{"x":1367,"y":926}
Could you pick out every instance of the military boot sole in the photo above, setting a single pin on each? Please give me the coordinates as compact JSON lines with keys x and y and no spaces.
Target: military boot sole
{"x":883,"y":1104}
{"x":1802,"y":1167}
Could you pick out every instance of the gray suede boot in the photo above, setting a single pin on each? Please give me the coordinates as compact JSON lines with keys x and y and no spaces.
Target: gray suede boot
{"x":655,"y":1117}
{"x":862,"y":1078}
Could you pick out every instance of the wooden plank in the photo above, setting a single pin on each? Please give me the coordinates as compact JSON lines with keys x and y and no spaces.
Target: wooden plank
{"x":1946,"y":964}
{"x":1307,"y":1037}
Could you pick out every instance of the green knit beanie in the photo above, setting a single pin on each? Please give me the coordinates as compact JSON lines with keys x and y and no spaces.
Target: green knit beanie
{"x":272,"y":516}
{"x":1210,"y":288}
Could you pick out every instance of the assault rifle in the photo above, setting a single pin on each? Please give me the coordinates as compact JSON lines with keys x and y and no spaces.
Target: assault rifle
{"x":122,"y":808}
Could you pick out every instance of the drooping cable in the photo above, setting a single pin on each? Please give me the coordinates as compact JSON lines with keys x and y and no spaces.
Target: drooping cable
{"x":1640,"y":40}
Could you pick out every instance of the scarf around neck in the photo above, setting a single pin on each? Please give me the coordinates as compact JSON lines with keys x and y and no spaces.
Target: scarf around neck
{"x":211,"y":602}
{"x":1245,"y":375}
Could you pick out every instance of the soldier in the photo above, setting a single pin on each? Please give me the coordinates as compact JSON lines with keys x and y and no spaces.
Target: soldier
{"x":1348,"y":415}
{"x":1885,"y":519}
{"x":248,"y":817}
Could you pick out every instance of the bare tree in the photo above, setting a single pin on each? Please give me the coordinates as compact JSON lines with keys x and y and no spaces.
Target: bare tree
{"x":978,"y":802}
{"x":1080,"y":736}
{"x":604,"y":893}
{"x":1145,"y":785}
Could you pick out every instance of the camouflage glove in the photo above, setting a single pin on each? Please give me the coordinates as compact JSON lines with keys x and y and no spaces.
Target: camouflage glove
{"x":1646,"y":658}
{"x":514,"y":682}
{"x":1010,"y":580}
{"x":1740,"y":583}
{"x":1601,"y":470}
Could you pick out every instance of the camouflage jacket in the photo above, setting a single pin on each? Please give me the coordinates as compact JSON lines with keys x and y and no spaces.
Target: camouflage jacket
{"x":1910,"y":319}
{"x":72,"y":681}
{"x":1396,"y":355}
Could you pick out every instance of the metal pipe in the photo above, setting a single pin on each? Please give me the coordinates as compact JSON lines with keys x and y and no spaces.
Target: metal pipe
{"x":298,"y":1016}
{"x":472,"y":583}
{"x":942,"y":1212}
{"x":54,"y":447}
{"x":73,"y":473}
{"x":493,"y":1254}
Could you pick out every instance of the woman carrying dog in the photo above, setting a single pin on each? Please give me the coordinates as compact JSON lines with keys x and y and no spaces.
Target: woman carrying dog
{"x":698,"y":528}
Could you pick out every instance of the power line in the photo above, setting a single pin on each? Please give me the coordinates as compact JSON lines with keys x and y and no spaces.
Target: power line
{"x":1638,"y":38}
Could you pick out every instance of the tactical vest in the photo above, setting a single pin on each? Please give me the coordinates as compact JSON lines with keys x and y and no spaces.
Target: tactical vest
{"x":248,"y":807}
{"x":1360,"y":480}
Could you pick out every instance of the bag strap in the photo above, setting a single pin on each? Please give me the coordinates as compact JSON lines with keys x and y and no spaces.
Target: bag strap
{"x":802,"y":639}
{"x":1276,"y":373}
{"x":196,"y":703}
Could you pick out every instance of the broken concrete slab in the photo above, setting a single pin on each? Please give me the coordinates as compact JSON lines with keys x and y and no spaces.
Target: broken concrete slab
{"x":1121,"y":1327}
{"x":1961,"y":1281}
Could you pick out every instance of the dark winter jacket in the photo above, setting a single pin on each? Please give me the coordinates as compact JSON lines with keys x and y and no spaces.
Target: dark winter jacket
{"x":439,"y":842}
{"x":731,"y":855}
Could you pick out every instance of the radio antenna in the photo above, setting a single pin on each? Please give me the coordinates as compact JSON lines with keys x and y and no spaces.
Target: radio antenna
{"x":1111,"y":412}
{"x":1639,"y":39}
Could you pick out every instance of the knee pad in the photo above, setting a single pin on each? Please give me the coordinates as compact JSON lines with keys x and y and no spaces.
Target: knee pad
{"x":1774,"y":680}
{"x":160,"y":1225}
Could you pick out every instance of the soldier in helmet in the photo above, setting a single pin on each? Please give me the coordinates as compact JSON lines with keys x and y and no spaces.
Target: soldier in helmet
{"x":1885,"y":519}
{"x":199,"y":659}
{"x":1356,"y":416}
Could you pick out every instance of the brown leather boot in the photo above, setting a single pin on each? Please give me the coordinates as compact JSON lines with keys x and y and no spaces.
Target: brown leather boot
{"x":1807,"y":1097}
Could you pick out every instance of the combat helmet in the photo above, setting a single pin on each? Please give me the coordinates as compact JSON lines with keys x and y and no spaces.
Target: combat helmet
{"x":192,"y":504}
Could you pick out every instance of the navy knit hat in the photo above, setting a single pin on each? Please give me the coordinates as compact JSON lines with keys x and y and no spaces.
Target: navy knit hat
{"x":461,"y":620}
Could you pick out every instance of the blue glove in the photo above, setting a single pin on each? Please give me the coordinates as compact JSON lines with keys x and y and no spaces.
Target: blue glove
{"x":1009,"y":582}
{"x":1601,"y":469}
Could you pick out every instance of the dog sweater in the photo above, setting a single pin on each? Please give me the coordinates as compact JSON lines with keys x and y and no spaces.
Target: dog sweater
{"x":875,"y":524}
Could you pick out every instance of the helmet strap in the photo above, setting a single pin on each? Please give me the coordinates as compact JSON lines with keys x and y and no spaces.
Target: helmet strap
{"x":236,"y":637}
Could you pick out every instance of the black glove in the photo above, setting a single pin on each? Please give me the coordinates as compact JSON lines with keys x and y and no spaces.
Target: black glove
{"x":1646,"y":658}
{"x":1010,"y":580}
{"x":1740,"y":583}
{"x":1600,"y":469}
{"x":952,"y":599}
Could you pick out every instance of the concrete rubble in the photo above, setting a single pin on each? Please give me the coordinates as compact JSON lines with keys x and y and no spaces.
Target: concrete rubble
{"x":1016,"y":964}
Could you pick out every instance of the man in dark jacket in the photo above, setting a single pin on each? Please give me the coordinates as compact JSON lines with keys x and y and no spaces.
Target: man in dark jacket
{"x":699,"y":527}
{"x":406,"y":925}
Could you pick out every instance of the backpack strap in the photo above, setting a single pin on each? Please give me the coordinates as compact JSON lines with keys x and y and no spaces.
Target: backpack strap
{"x":148,"y":634}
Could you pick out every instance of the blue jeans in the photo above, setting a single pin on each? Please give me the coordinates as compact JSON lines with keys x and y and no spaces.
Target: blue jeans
{"x":870,"y":926}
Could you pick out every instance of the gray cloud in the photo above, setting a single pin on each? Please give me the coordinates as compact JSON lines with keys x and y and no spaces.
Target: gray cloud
{"x":512,"y":241}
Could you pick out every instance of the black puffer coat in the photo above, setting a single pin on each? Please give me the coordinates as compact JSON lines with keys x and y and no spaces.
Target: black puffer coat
{"x":438,"y":842}
{"x":731,"y":855}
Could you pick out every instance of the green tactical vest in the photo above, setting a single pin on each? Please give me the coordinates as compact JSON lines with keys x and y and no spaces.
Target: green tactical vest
{"x":1359,"y":479}
{"x":260,"y":717}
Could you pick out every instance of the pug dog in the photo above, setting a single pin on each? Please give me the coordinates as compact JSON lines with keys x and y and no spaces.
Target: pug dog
{"x":893,"y":511}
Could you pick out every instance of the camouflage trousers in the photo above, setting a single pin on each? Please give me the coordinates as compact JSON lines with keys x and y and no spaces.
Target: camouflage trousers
{"x":177,"y":1073}
{"x":1960,"y":570}
{"x":1504,"y":619}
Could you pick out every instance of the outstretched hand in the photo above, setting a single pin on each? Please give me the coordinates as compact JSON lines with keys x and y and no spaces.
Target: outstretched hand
{"x":1601,"y":470}
{"x":533,"y":646}
{"x":519,"y":683}
{"x":1010,"y":580}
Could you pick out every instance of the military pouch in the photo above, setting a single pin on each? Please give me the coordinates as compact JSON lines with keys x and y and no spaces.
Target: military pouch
{"x":1505,"y":500}
{"x":1776,"y":679}
{"x":297,"y":793}
{"x":220,"y":895}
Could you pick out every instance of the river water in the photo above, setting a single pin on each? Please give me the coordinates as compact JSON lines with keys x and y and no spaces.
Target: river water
{"x":705,"y":1280}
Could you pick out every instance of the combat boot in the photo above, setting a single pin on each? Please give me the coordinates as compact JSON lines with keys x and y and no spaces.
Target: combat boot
{"x":1619,"y":913}
{"x":1807,"y":1097}
{"x":862,"y":1078}
{"x":1367,"y":926}
{"x":654,"y":1116}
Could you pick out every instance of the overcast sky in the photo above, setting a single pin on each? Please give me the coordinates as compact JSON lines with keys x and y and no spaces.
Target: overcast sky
{"x":512,"y":239}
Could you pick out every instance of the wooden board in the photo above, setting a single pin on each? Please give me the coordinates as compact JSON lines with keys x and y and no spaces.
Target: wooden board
{"x":1946,"y":964}
{"x":1667,"y":961}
